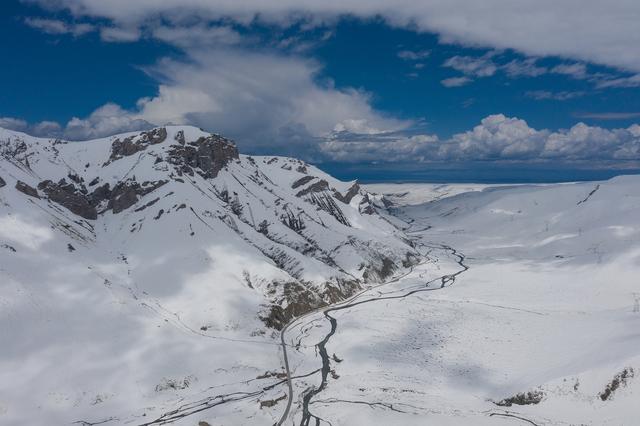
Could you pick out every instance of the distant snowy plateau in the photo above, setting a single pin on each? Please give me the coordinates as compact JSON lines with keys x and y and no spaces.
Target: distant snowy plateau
{"x":161,"y":277}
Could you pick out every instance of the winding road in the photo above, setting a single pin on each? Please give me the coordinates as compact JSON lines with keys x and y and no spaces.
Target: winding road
{"x":311,"y":392}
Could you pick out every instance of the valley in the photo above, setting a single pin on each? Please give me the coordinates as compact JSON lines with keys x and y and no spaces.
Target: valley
{"x":162,"y":277}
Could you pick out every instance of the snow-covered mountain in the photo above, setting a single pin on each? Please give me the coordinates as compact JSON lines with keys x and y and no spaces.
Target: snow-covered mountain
{"x":104,"y":240}
{"x":163,"y":278}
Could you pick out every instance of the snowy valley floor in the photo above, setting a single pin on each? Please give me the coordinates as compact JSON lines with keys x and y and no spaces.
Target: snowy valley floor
{"x":548,"y":309}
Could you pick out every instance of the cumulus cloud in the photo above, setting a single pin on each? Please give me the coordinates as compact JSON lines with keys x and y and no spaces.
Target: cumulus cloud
{"x":46,"y":128}
{"x":257,"y":98}
{"x":268,"y":102}
{"x":585,"y":30}
{"x":43,"y":128}
{"x":271,"y":102}
{"x":12,"y":123}
{"x":497,"y":138}
{"x":104,"y":121}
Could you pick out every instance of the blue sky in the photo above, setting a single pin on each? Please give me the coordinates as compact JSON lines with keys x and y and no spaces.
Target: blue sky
{"x":362,"y":88}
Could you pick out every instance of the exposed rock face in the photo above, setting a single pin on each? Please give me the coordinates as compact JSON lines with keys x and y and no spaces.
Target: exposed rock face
{"x":209,"y":155}
{"x":302,"y":181}
{"x":298,"y":300}
{"x":352,"y":192}
{"x":366,"y":206}
{"x":70,"y":197}
{"x":180,"y":137}
{"x":2,"y":182}
{"x":26,"y":189}
{"x":319,"y":186}
{"x":126,"y":147}
{"x":381,"y":270}
{"x":125,"y":194}
{"x":77,"y":200}
{"x":618,"y":380}
{"x":292,"y":221}
{"x":318,"y":194}
{"x":524,"y":398}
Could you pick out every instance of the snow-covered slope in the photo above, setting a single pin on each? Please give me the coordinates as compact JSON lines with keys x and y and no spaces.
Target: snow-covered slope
{"x":132,"y":265}
{"x":540,"y":327}
{"x":161,"y":277}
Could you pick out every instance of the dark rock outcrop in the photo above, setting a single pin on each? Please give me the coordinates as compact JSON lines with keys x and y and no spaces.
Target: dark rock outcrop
{"x":298,"y":300}
{"x":69,"y":196}
{"x":79,"y":201}
{"x":352,"y":192}
{"x":302,"y":181}
{"x":366,"y":206}
{"x":319,"y":186}
{"x":379,"y":272}
{"x":618,"y":380}
{"x":180,"y":137}
{"x":207,"y":155}
{"x":26,"y":189}
{"x":2,"y":182}
{"x":292,"y":221}
{"x":127,"y":146}
{"x":125,"y":194}
{"x":318,"y":193}
{"x":523,"y":398}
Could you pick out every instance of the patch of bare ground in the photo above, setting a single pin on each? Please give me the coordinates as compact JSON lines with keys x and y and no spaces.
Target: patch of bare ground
{"x":268,"y":403}
{"x":522,"y":398}
{"x":618,"y":380}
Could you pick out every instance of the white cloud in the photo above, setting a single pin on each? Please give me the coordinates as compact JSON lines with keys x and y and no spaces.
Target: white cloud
{"x":12,"y":123}
{"x":259,"y":99}
{"x":609,"y":115}
{"x":46,"y":128}
{"x":524,"y":68}
{"x":119,"y":34}
{"x":379,"y":148}
{"x":104,"y":121}
{"x":496,"y":138}
{"x":632,"y":81}
{"x":199,"y":35}
{"x":576,"y":70}
{"x":55,"y":26}
{"x":455,"y":81}
{"x":43,"y":128}
{"x":585,"y":30}
{"x":410,"y":55}
{"x":475,"y":66}
{"x":558,"y":96}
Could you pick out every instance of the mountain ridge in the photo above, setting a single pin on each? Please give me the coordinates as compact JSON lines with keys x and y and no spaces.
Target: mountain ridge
{"x":111,"y":180}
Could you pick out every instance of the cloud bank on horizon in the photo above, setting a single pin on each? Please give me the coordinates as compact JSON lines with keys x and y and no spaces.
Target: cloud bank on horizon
{"x":268,"y":91}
